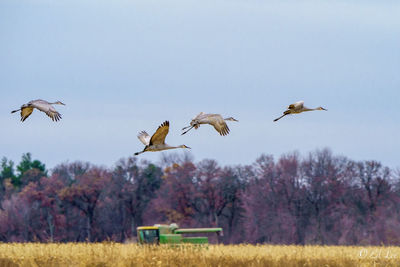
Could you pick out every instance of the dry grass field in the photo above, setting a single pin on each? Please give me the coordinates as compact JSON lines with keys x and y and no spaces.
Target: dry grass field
{"x":115,"y":254}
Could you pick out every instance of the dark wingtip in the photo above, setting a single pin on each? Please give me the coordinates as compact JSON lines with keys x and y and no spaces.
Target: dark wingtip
{"x":165,"y":123}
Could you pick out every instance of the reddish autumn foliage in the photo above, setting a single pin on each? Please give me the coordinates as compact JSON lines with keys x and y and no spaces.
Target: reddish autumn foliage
{"x":317,"y":199}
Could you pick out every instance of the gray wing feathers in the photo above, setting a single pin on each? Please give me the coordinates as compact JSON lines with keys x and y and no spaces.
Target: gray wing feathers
{"x":47,"y":108}
{"x":219,"y":124}
{"x":144,"y":137}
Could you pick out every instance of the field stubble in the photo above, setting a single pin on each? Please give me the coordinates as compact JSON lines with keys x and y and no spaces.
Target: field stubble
{"x":116,"y":254}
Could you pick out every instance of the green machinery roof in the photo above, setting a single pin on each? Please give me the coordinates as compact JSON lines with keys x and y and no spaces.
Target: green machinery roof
{"x":197,"y":230}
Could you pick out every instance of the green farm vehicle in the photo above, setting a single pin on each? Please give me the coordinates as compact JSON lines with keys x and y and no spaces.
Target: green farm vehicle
{"x":172,"y":234}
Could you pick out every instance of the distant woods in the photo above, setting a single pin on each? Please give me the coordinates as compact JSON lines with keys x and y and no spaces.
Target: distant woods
{"x":319,"y":198}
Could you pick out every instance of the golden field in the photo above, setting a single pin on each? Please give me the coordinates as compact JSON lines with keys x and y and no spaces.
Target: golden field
{"x":116,"y":254}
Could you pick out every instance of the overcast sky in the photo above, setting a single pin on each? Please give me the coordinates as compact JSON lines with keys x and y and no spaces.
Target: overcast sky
{"x":126,"y":66}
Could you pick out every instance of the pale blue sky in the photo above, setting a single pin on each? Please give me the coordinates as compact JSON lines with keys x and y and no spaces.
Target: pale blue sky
{"x":126,"y":66}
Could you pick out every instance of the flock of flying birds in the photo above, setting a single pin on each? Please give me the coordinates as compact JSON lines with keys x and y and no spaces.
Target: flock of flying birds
{"x":157,"y":141}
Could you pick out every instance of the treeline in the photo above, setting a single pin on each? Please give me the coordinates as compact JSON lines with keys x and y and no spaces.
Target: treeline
{"x":316,"y":199}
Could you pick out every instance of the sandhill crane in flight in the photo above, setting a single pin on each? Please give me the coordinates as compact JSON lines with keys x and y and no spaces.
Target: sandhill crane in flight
{"x":42,"y":105}
{"x":296,"y":108}
{"x":215,"y":120}
{"x":157,"y":141}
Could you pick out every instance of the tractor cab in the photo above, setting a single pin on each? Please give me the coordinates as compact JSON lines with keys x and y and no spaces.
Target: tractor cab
{"x":149,"y":235}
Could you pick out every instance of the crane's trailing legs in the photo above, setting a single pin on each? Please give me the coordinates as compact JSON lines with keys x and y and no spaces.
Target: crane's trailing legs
{"x":280,"y":117}
{"x":137,"y":153}
{"x":190,"y":128}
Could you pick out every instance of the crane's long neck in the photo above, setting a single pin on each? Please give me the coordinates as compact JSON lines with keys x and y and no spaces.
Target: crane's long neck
{"x":309,"y":109}
{"x":170,"y":147}
{"x":173,"y":147}
{"x":317,"y":108}
{"x":230,"y":119}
